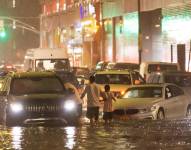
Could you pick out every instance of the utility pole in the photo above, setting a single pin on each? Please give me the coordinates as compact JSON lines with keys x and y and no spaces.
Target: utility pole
{"x":171,"y":53}
{"x":189,"y":58}
{"x":139,"y":32}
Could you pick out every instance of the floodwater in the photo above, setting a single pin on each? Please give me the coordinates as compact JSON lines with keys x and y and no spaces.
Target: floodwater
{"x":148,"y":135}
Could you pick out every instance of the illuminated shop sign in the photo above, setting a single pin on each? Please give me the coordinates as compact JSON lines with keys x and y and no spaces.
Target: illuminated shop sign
{"x":177,"y":27}
{"x":86,"y":10}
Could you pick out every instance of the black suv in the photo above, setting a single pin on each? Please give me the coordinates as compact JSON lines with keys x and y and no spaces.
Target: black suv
{"x":37,"y":97}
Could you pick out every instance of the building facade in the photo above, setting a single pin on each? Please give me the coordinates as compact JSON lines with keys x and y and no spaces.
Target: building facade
{"x":16,"y":16}
{"x":116,"y":30}
{"x":163,"y":25}
{"x":72,"y":25}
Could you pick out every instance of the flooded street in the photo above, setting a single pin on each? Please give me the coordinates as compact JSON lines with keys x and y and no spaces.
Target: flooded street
{"x":129,"y":135}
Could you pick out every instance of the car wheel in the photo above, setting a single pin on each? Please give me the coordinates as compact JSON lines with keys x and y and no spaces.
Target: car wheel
{"x":160,"y":114}
{"x":188,"y":112}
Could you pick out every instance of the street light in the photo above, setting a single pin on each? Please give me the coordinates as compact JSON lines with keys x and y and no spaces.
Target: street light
{"x":22,"y":24}
{"x":2,"y":34}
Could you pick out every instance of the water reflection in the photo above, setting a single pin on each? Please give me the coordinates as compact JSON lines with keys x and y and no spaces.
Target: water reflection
{"x":16,"y":133}
{"x":130,"y":135}
{"x":70,"y":135}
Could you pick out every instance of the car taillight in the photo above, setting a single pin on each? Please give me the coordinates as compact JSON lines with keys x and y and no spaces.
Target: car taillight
{"x":9,"y":67}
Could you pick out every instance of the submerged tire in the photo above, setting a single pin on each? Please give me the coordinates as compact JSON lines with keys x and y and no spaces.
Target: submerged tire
{"x":188,"y":112}
{"x":160,"y":114}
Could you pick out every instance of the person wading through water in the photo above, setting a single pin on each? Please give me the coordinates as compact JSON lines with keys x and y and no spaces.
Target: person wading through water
{"x":93,"y":94}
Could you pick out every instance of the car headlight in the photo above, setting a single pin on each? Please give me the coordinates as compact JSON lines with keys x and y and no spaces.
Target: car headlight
{"x":143,"y":110}
{"x":16,"y":107}
{"x":69,"y":105}
{"x":122,"y":92}
{"x":153,"y":108}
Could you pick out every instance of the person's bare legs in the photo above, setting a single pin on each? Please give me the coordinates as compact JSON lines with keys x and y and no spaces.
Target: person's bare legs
{"x":91,"y":121}
{"x":106,"y":122}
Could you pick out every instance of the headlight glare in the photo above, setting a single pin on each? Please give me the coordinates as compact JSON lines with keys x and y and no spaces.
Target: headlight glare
{"x":143,"y":111}
{"x":69,"y":105}
{"x":153,"y":108}
{"x":16,"y":107}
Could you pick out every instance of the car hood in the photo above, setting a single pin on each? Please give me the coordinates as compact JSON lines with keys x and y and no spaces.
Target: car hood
{"x":135,"y":103}
{"x":37,"y":97}
{"x":116,"y":87}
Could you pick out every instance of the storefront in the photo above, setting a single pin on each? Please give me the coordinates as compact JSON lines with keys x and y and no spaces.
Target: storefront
{"x":162,"y":22}
{"x":62,"y":26}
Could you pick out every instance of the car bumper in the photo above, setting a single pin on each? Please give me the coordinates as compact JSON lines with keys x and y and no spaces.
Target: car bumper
{"x":149,"y":115}
{"x":25,"y":117}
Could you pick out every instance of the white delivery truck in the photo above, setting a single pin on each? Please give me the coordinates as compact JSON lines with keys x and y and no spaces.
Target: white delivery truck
{"x":40,"y":59}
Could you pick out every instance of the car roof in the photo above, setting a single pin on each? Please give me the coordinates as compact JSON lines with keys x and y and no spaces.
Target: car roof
{"x":115,"y":72}
{"x":32,"y":74}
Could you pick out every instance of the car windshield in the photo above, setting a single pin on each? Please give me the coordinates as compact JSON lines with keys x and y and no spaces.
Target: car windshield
{"x":180,"y":80}
{"x":67,"y":77}
{"x":113,"y":79}
{"x":144,"y":92}
{"x":81,"y":72}
{"x":162,"y":67}
{"x":52,"y":64}
{"x":33,"y":85}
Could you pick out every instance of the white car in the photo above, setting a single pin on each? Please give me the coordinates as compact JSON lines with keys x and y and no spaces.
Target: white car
{"x":153,"y":101}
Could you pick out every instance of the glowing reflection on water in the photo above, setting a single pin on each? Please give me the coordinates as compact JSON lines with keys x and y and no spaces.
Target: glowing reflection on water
{"x":70,"y":135}
{"x":16,"y":133}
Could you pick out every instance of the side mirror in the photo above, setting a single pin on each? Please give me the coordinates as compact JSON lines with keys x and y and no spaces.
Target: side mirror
{"x":137,"y":82}
{"x":3,"y":93}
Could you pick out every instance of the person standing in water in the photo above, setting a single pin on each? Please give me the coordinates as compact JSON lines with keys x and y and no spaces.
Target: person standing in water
{"x":107,"y":108}
{"x":93,"y":94}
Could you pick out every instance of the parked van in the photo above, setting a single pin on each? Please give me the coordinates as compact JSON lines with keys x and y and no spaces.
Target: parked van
{"x":180,"y":78}
{"x":41,"y":59}
{"x":146,"y":68}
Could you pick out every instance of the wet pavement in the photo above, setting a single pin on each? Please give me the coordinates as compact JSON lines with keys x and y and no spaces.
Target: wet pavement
{"x":148,"y":135}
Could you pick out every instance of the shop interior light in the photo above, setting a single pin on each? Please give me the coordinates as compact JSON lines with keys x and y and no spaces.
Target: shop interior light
{"x":87,"y":22}
{"x":177,"y":28}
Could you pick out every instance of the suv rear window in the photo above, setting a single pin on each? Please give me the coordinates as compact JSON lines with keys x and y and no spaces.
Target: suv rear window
{"x":161,"y":67}
{"x":113,"y":79}
{"x":126,"y":66}
{"x":181,"y":80}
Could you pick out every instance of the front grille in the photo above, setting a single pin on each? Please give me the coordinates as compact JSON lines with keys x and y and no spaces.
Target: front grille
{"x":126,"y":112}
{"x":43,"y":108}
{"x":131,"y":111}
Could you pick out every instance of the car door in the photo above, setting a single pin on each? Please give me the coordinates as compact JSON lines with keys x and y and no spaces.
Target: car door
{"x":181,"y":101}
{"x":173,"y":104}
{"x":170,"y":103}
